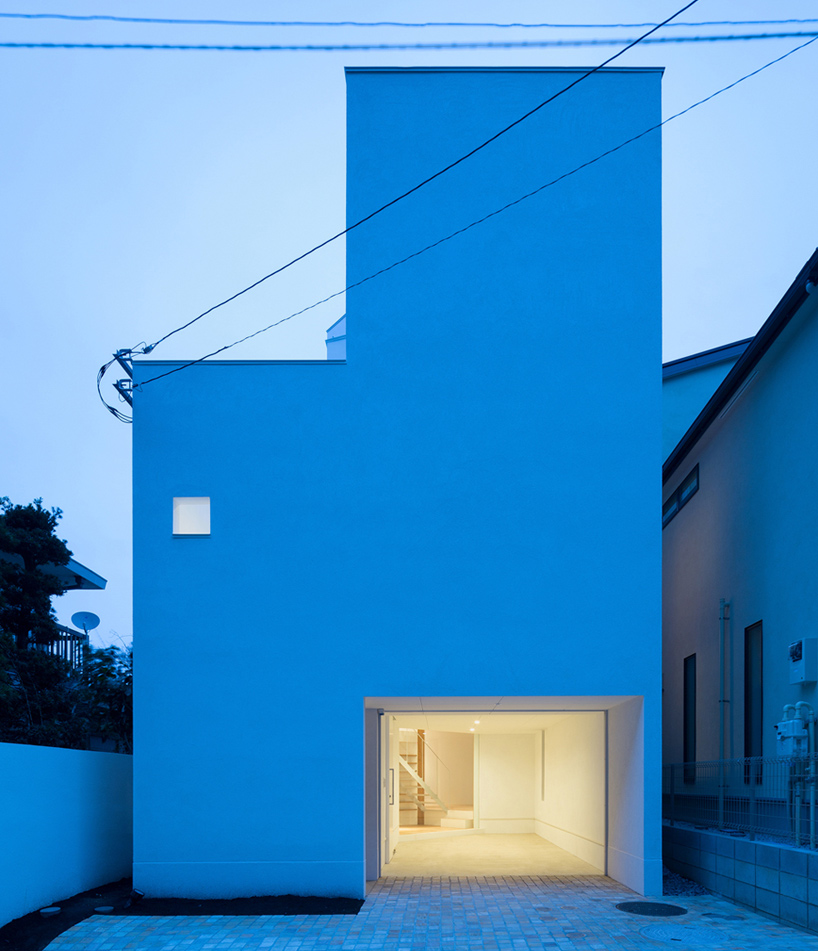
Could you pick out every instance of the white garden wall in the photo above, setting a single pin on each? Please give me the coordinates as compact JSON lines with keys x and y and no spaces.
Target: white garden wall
{"x":65,"y":824}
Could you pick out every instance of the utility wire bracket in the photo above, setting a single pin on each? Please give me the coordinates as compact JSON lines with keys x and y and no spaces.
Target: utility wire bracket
{"x":125,"y":389}
{"x":123,"y":358}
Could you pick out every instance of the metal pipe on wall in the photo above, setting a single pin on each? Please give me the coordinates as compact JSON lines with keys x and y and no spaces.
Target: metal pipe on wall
{"x":810,"y":771}
{"x":724,"y":610}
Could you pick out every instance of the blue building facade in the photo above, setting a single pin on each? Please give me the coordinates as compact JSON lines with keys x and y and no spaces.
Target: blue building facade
{"x":479,"y":477}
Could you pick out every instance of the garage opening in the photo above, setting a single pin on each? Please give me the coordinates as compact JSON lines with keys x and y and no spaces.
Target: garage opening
{"x":497,"y":792}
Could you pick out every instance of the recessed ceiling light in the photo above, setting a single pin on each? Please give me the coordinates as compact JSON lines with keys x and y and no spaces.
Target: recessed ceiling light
{"x":471,"y":729}
{"x":476,"y":721}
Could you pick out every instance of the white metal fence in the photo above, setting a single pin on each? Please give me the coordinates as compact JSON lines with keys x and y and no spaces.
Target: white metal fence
{"x":758,"y":796}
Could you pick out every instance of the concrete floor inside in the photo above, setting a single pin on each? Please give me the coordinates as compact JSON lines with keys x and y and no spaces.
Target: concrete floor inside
{"x":482,"y":856}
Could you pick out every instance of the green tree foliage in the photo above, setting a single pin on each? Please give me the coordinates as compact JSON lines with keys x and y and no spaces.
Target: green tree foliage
{"x":41,"y":699}
{"x":107,"y":675}
{"x":27,"y":545}
{"x":44,"y":701}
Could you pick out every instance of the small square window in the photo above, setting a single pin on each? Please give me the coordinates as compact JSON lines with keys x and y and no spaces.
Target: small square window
{"x":191,"y":515}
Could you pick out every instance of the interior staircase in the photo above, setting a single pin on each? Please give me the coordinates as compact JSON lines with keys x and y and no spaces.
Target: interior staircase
{"x":419,"y":804}
{"x":458,"y":817}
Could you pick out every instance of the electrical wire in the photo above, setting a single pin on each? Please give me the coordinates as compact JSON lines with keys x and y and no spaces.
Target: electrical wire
{"x":147,"y":349}
{"x":382,"y":47}
{"x":381,"y":23}
{"x":487,"y":217}
{"x":111,"y":409}
{"x":420,"y":185}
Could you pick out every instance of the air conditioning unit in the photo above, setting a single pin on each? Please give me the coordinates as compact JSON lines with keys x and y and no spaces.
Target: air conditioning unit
{"x":803,"y":660}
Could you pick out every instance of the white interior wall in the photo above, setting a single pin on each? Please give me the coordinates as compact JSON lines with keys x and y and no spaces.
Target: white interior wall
{"x":504,"y":771}
{"x":569,"y":786}
{"x":451,"y":772}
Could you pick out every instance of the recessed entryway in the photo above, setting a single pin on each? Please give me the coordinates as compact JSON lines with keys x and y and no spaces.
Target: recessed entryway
{"x":532,"y":782}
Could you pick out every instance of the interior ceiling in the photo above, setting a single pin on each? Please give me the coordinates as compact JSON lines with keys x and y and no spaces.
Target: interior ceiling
{"x":489,"y":722}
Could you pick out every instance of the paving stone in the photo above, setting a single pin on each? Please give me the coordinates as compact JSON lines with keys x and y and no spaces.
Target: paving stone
{"x":563,"y":913}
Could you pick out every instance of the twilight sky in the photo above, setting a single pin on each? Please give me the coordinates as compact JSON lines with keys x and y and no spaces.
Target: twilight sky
{"x":141,"y":187}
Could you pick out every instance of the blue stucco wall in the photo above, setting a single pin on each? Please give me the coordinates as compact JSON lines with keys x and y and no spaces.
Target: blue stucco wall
{"x":481,"y":478}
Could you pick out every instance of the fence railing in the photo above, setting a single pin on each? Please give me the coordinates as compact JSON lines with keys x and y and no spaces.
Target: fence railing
{"x":68,"y":644}
{"x":758,"y":795}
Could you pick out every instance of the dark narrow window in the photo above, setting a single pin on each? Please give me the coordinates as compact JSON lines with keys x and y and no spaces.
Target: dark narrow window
{"x":681,"y":496}
{"x":753,"y":678}
{"x":689,"y":719}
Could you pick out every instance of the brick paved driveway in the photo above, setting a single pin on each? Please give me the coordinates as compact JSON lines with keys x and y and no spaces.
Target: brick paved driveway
{"x":461,"y":914}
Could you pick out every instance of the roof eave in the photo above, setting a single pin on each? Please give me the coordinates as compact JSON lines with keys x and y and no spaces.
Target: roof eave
{"x":784,"y":311}
{"x":76,"y":576}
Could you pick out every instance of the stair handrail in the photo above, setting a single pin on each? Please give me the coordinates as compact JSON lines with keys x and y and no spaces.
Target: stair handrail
{"x":409,"y":729}
{"x":418,"y":802}
{"x":422,"y":782}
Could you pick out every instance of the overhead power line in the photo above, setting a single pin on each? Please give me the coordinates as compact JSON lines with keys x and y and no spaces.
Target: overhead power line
{"x":381,"y":23}
{"x":485,"y":218}
{"x":122,"y":388}
{"x":420,"y":184}
{"x":381,"y":47}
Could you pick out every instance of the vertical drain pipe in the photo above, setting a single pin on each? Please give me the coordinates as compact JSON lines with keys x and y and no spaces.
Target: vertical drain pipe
{"x":809,"y":719}
{"x":724,"y":611}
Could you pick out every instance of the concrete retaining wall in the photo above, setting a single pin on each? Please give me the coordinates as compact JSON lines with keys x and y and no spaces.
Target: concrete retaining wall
{"x":65,"y":824}
{"x":774,"y":879}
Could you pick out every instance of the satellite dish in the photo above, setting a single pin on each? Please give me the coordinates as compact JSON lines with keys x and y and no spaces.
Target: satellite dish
{"x":85,"y":620}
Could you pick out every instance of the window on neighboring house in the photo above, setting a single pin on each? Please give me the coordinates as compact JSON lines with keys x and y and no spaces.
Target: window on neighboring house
{"x":677,"y":500}
{"x":753,"y":697}
{"x":191,"y":515}
{"x":689,"y":718}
